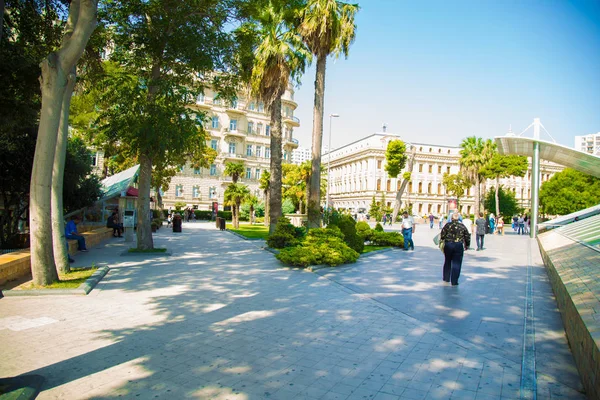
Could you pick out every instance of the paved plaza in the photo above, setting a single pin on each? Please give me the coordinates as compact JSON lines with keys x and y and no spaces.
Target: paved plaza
{"x":221,"y":318}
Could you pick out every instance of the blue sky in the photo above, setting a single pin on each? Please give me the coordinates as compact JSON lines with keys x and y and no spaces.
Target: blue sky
{"x":439,"y":71}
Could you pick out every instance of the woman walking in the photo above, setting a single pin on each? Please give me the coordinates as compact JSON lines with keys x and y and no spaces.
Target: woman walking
{"x":456,"y":239}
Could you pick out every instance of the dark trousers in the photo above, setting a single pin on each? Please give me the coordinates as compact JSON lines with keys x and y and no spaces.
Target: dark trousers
{"x":479,"y":239}
{"x":453,"y":256}
{"x":80,"y":241}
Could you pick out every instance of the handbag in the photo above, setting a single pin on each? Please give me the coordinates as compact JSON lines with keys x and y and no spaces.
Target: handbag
{"x":442,"y":244}
{"x":439,"y":242}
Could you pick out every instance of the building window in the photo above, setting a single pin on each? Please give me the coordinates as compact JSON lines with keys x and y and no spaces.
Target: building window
{"x":430,"y":169}
{"x":448,"y":169}
{"x":420,"y":187}
{"x":429,"y":188}
{"x":267,"y":152}
{"x":233,"y":125}
{"x":178,"y":191}
{"x":261,"y":106}
{"x":439,"y":188}
{"x":389,"y":185}
{"x":95,"y":159}
{"x":250,"y":127}
{"x":213,"y":144}
{"x":248,"y":173}
{"x":215,"y":122}
{"x":378,"y":184}
{"x":258,"y":151}
{"x":234,"y":104}
{"x":257,"y":173}
{"x":196,"y":171}
{"x":195,"y":192}
{"x":378,"y":165}
{"x":217,"y":101}
{"x":252,"y":106}
{"x":268,"y":130}
{"x":420,"y":167}
{"x":249,"y":150}
{"x":439,"y":169}
{"x":200,"y":98}
{"x":212,"y":192}
{"x":232,"y":148}
{"x":259,"y":127}
{"x":410,"y":187}
{"x":213,"y":170}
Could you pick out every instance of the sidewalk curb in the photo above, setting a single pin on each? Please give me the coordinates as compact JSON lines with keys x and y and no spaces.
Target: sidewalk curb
{"x":241,"y":236}
{"x":127,"y":253}
{"x":83,"y":289}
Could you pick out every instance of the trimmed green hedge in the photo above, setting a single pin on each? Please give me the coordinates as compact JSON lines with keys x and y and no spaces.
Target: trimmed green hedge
{"x":203,"y":215}
{"x":387,"y":239}
{"x":225,"y":214}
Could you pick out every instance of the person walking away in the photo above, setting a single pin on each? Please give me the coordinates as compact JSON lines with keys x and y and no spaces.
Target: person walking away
{"x":480,"y":231}
{"x":521,"y":224}
{"x":526,"y":225}
{"x":384,"y":219}
{"x":408,"y":228}
{"x":492,"y":223}
{"x":515,"y":222}
{"x":457,"y":239}
{"x":72,"y":234}
{"x":430,"y":221}
{"x":390,"y":219}
{"x":442,"y":220}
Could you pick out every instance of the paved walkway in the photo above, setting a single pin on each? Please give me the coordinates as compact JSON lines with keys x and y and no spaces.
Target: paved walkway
{"x":222,"y":319}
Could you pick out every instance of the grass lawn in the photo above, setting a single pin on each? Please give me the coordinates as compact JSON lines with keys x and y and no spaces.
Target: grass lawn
{"x":71,"y":280}
{"x":369,"y":248}
{"x":156,"y":250}
{"x":256,"y":231}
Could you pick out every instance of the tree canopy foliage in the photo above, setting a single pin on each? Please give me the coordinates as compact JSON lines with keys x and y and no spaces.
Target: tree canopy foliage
{"x":508,"y":205}
{"x":456,"y":184}
{"x":569,"y":191}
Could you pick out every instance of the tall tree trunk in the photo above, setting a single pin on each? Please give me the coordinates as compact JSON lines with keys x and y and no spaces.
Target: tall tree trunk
{"x":1,"y":18}
{"x":400,"y":192}
{"x":80,"y":25}
{"x":314,"y":192}
{"x":144,"y":230}
{"x":497,"y":196}
{"x":267,"y":207}
{"x":59,"y":242}
{"x":275,"y":183}
{"x":159,"y":201}
{"x":477,"y":194}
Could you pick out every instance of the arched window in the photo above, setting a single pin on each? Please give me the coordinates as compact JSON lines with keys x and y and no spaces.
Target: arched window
{"x":429,"y":188}
{"x":420,"y":187}
{"x":389,"y":185}
{"x":378,"y":184}
{"x":439,"y":188}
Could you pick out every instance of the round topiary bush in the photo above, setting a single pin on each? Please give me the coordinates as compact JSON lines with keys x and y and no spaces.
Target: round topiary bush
{"x":284,"y":234}
{"x":378,"y":227}
{"x":363,"y":229}
{"x":329,"y":250}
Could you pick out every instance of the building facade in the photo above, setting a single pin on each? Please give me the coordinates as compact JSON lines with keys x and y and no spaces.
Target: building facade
{"x":239,"y":132}
{"x":301,"y":154}
{"x":588,"y":143}
{"x":358,"y":174}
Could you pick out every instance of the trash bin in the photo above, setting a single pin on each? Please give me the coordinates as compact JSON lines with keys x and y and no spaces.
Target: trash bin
{"x":177,"y":223}
{"x":222,"y":224}
{"x":218,"y":223}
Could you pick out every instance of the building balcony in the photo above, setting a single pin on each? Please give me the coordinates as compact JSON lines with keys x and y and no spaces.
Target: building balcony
{"x":293,"y":143}
{"x":236,"y":111}
{"x":235,"y":133}
{"x":293,"y":121}
{"x":205,"y":104}
{"x":232,"y":157}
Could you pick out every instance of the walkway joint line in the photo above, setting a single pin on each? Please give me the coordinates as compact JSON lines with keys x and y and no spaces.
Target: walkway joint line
{"x":528,"y":376}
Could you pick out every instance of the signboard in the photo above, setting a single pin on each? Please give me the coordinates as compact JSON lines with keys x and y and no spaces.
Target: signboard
{"x":452,"y":204}
{"x":128,"y":218}
{"x":215,"y":207}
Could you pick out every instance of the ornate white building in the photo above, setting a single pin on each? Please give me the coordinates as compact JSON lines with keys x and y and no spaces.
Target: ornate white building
{"x":239,"y":131}
{"x":358,"y":174}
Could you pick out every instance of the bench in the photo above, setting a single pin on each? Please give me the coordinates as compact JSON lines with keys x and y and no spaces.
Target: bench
{"x":18,"y":264}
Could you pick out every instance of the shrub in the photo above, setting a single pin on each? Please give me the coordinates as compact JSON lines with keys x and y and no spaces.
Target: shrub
{"x":363,"y":229}
{"x":387,"y":239}
{"x":155,"y":214}
{"x":284,"y":234}
{"x":224,"y":214}
{"x":378,"y":227}
{"x":317,"y":234}
{"x":259,"y":220}
{"x":347,"y":225}
{"x":158,"y":222}
{"x":326,"y":249}
{"x":203,"y":215}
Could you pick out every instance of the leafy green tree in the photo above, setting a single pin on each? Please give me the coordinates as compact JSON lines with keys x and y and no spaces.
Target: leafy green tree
{"x":569,"y":191}
{"x":83,"y":188}
{"x":396,"y":159}
{"x":503,"y":166}
{"x":327,"y":27}
{"x":475,"y":153}
{"x":279,"y":58}
{"x":162,"y":48}
{"x":251,"y":201}
{"x":265,"y":186}
{"x":288,"y":207}
{"x":508,"y":204}
{"x":375,"y":210}
{"x":296,"y":179}
{"x":234,"y":169}
{"x":235,"y":195}
{"x":455,"y":185}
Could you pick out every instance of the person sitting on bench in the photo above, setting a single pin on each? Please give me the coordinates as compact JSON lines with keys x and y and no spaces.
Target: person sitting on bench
{"x":72,"y":234}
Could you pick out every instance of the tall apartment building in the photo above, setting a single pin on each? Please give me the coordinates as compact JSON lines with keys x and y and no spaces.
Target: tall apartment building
{"x":588,"y":143}
{"x":239,"y":132}
{"x":358,"y":174}
{"x":301,"y":154}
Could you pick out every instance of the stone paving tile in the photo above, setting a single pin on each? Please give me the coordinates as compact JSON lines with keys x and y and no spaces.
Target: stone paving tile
{"x":227,"y":321}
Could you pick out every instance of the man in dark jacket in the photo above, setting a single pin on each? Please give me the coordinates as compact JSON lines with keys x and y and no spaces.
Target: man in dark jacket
{"x":457,"y":239}
{"x":480,"y":223}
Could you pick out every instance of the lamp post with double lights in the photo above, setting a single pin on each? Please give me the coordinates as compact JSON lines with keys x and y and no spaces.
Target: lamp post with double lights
{"x":327,"y":204}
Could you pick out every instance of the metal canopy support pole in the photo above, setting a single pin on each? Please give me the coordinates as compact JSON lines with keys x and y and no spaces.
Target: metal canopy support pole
{"x":535,"y":179}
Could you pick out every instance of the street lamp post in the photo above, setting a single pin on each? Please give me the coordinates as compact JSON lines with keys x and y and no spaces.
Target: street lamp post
{"x":327,"y":204}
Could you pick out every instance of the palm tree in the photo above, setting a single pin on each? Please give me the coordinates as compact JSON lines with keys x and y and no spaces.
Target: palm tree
{"x":235,"y":194}
{"x":327,"y":27}
{"x":279,"y":57}
{"x":265,"y":185}
{"x":475,"y":153}
{"x":252,"y":201}
{"x":234,"y":169}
